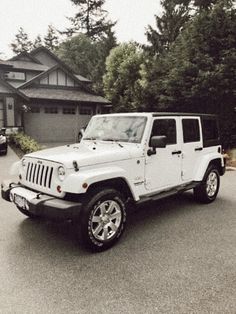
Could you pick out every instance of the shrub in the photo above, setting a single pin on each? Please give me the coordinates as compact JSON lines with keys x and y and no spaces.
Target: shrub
{"x":24,"y":142}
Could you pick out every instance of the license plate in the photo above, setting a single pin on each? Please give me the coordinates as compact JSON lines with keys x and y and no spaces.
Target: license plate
{"x":20,"y":201}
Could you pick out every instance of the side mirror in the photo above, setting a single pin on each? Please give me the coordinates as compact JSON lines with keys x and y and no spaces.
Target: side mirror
{"x":157,"y":142}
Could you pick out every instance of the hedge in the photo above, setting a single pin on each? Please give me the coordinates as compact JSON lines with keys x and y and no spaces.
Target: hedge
{"x":24,"y":143}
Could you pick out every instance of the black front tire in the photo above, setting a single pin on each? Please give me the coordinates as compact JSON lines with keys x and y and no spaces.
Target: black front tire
{"x":103,"y":219}
{"x":207,"y":191}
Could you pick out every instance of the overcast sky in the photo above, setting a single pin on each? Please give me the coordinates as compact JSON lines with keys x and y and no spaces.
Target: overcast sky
{"x":35,"y":15}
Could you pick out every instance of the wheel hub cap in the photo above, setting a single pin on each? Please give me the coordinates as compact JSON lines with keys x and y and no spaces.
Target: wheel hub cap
{"x":212,"y":183}
{"x":106,"y":220}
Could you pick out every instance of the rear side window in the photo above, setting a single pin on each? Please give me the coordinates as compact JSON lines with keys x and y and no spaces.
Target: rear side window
{"x":210,"y":129}
{"x":165,"y":127}
{"x":210,"y":132}
{"x":191,"y":130}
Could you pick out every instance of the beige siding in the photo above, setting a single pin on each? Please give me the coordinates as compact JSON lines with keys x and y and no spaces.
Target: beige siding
{"x":4,"y":89}
{"x":1,"y":114}
{"x":44,"y":81}
{"x":58,"y":77}
{"x":61,"y":78}
{"x":46,"y":59}
{"x":30,"y":75}
{"x":53,"y":78}
{"x":70,"y":82}
{"x":10,"y":110}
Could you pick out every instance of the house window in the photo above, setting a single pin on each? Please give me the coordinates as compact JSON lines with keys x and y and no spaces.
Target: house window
{"x":51,"y":110}
{"x":18,"y":76}
{"x":35,"y":109}
{"x":69,"y":110}
{"x":191,"y":130}
{"x":83,"y":110}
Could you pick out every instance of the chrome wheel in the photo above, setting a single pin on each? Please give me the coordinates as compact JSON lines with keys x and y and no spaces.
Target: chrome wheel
{"x":211,"y":184}
{"x":106,"y":220}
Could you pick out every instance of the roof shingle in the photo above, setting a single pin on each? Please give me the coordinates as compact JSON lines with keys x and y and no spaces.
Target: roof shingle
{"x":63,"y":94}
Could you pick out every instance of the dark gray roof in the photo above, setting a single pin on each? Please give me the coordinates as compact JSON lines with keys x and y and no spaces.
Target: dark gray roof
{"x":63,"y":94}
{"x":25,"y":65}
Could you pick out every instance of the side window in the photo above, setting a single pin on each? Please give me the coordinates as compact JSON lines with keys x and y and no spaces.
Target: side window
{"x":191,"y":130}
{"x":165,"y":127}
{"x":210,"y":129}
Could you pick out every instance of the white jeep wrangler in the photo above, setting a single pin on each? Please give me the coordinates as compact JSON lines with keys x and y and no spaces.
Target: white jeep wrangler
{"x":122,"y":157}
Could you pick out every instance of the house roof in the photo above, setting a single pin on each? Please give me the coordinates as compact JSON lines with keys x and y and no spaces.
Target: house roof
{"x":25,"y":65}
{"x":83,"y":79}
{"x":63,"y":94}
{"x":13,"y":89}
{"x":25,"y":56}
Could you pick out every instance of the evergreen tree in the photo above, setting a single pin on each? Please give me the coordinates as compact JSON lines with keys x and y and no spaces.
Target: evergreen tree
{"x":91,"y":19}
{"x":37,"y":42}
{"x":168,"y":25}
{"x":21,"y":42}
{"x":198,"y":74}
{"x":122,"y":74}
{"x":51,"y":40}
{"x":87,"y":57}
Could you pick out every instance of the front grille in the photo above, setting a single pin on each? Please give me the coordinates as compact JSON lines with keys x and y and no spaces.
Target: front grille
{"x":39,"y":174}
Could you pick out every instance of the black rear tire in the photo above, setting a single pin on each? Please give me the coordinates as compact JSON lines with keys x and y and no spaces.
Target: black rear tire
{"x":207,"y":191}
{"x":102,"y":219}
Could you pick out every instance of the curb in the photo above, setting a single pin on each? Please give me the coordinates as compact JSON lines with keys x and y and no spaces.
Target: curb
{"x":230,"y":168}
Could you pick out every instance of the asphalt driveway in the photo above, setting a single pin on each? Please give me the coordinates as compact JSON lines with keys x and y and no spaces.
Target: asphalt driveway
{"x":176,"y":256}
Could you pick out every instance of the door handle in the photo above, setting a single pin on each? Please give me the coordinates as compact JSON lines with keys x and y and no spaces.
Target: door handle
{"x":198,"y":148}
{"x":177,"y":152}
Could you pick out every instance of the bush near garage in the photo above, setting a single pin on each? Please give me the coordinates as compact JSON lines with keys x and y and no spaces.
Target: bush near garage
{"x":24,"y":142}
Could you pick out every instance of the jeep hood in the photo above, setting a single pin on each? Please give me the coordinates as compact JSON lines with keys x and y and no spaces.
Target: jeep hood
{"x":87,"y":153}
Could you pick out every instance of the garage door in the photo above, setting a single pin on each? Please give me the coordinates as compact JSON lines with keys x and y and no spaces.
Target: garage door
{"x":54,"y":123}
{"x":1,"y":114}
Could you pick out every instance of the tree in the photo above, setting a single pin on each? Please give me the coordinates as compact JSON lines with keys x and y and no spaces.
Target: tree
{"x":91,"y":19}
{"x":200,"y":68}
{"x":168,"y":25}
{"x":37,"y":42}
{"x":51,"y":40}
{"x":122,"y":74}
{"x":87,"y":57}
{"x":21,"y":42}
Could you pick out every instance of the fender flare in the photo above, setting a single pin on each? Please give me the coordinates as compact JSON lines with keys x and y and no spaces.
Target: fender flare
{"x":205,"y":162}
{"x":74,"y":182}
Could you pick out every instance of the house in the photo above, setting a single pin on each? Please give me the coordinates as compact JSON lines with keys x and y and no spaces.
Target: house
{"x":42,"y":95}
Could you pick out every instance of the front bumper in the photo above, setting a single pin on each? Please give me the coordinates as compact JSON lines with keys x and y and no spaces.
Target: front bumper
{"x":41,"y":205}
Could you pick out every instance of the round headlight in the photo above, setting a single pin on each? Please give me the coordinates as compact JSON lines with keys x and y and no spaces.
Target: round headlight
{"x":61,"y":173}
{"x":23,"y":162}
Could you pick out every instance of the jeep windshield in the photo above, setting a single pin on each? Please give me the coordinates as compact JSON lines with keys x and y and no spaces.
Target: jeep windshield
{"x":116,"y":129}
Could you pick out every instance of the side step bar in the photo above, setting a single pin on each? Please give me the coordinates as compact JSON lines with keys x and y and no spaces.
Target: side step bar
{"x":166,"y":193}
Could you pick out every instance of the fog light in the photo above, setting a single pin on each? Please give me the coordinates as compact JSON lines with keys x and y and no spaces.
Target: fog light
{"x":59,"y":189}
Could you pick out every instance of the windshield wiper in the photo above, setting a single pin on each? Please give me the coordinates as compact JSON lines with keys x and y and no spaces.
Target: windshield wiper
{"x":112,"y":140}
{"x":90,"y":138}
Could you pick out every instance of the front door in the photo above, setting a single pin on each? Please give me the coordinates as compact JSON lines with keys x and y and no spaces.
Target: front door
{"x":163,"y":170}
{"x":192,"y":147}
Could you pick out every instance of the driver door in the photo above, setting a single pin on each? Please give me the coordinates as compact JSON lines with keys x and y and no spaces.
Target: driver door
{"x":163,"y":170}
